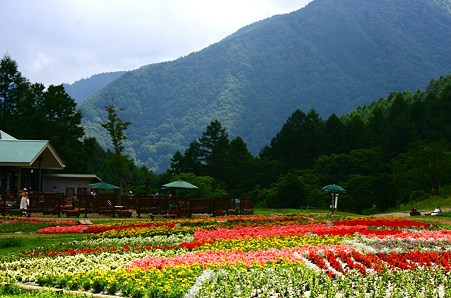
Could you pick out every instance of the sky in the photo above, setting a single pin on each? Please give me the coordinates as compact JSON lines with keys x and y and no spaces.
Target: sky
{"x":63,"y":41}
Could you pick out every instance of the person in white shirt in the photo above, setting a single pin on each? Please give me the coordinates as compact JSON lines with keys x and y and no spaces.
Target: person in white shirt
{"x":436,"y":211}
{"x":24,"y":201}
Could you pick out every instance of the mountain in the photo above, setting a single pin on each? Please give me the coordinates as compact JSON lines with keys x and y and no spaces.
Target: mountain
{"x":81,"y":89}
{"x":331,"y":55}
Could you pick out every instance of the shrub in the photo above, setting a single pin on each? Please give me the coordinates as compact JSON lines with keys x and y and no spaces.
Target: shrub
{"x":418,"y":195}
{"x":9,"y":242}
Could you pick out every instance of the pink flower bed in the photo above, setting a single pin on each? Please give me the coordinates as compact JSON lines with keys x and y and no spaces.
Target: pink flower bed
{"x":218,"y":257}
{"x":333,"y":259}
{"x":62,"y":230}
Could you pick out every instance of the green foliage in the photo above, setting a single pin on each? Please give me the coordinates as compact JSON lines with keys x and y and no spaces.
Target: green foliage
{"x":290,"y":192}
{"x":424,"y":205}
{"x":299,"y":142}
{"x":30,"y":111}
{"x":116,"y":128}
{"x":377,"y":172}
{"x":331,"y":56}
{"x":11,"y":291}
{"x":264,"y":197}
{"x":239,"y":168}
{"x":418,"y":195}
{"x":9,"y":242}
{"x":22,"y":227}
{"x":382,"y":153}
{"x":13,"y":86}
{"x":207,"y":186}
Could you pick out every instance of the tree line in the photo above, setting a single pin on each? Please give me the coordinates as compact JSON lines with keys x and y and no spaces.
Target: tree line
{"x":390,"y":152}
{"x":32,"y":111}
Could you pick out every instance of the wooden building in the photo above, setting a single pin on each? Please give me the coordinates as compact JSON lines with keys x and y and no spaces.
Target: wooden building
{"x":22,"y":163}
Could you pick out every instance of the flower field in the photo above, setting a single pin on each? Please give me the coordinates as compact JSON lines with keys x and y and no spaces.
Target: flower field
{"x":243,"y":256}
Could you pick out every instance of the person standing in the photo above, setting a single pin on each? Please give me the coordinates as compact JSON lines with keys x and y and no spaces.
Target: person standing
{"x":74,"y":200}
{"x":130,"y":199}
{"x":24,"y":201}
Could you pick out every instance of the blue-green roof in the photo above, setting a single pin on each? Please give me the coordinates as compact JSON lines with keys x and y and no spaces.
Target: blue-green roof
{"x":29,"y":153}
{"x":5,"y":136}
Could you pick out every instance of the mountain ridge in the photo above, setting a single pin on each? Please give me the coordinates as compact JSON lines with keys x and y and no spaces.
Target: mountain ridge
{"x":81,"y":89}
{"x":330,"y":55}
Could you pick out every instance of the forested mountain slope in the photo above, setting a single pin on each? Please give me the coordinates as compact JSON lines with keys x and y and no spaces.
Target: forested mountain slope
{"x":331,"y":56}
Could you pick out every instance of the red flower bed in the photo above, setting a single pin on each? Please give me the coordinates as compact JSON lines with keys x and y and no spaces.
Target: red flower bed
{"x":39,"y":220}
{"x":342,"y":259}
{"x":414,"y":259}
{"x":382,"y":222}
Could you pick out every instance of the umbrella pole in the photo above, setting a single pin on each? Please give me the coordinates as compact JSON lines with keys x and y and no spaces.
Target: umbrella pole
{"x":334,"y":204}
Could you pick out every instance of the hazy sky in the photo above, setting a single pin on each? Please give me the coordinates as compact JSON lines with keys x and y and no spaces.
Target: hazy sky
{"x":62,"y":41}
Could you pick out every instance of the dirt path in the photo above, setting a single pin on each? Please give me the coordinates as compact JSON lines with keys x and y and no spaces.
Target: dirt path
{"x":397,"y":214}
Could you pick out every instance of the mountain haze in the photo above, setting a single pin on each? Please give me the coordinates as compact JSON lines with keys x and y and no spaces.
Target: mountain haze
{"x":81,"y":89}
{"x":331,"y":56}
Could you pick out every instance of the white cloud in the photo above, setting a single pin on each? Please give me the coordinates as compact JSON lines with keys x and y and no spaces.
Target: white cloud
{"x":56,"y":41}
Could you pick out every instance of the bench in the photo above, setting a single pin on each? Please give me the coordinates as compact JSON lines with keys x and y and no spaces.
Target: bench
{"x":85,"y":222}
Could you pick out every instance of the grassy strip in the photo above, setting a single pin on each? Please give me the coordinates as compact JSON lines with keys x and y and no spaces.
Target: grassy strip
{"x":10,"y":290}
{"x":441,"y":220}
{"x":17,"y":243}
{"x":427,"y":205}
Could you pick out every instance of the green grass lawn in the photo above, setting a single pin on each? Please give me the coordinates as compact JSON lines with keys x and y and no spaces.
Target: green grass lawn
{"x":269,"y":212}
{"x":16,"y":243}
{"x":428,"y":205}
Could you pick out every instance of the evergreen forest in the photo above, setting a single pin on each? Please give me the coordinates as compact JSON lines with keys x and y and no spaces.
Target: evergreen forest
{"x":393,"y":151}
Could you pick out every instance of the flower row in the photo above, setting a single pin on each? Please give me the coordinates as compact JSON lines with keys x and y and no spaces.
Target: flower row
{"x":273,"y":279}
{"x":281,"y":256}
{"x":333,"y":258}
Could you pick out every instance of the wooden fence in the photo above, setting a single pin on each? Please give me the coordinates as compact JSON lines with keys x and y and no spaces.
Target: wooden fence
{"x":57,"y":204}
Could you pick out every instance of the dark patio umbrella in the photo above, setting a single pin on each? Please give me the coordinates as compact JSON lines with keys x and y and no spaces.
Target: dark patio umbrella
{"x":182,"y":206}
{"x":334,"y":188}
{"x":103,"y":185}
{"x":179,"y":184}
